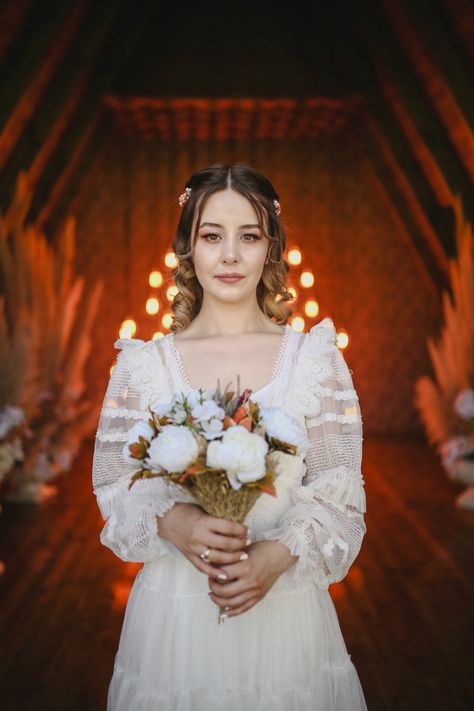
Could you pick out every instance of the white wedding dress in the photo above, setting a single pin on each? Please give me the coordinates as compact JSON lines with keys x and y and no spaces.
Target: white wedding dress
{"x":287,"y":652}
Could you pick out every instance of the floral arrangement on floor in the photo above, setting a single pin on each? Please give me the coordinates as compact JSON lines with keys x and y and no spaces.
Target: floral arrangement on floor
{"x":447,"y":406}
{"x":46,"y":321}
{"x":224,"y":449}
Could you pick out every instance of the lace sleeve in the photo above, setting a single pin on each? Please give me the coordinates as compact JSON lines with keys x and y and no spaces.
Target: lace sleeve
{"x":324,"y":526}
{"x":132,"y":516}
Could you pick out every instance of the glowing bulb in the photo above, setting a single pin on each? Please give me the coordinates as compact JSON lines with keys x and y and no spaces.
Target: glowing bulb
{"x":342,"y":339}
{"x":127,"y":328}
{"x":155,"y":279}
{"x":311,"y":308}
{"x":171,"y":292}
{"x":293,"y":292}
{"x":294,"y":256}
{"x":307,"y":279}
{"x":167,"y":320}
{"x":171,"y":260}
{"x":152,"y":305}
{"x":297,"y":324}
{"x":156,"y":335}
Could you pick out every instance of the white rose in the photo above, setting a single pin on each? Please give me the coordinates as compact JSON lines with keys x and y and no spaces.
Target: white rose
{"x":241,"y":454}
{"x":142,"y":428}
{"x":174,"y":449}
{"x":285,"y":427}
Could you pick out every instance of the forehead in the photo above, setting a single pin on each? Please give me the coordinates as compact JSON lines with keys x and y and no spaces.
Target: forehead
{"x":229,"y":209}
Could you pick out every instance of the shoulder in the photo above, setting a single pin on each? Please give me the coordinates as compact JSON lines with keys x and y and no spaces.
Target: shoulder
{"x":145,"y":367}
{"x":323,"y":333}
{"x":315,"y":343}
{"x":132,"y":351}
{"x":314,"y":368}
{"x":137,"y":353}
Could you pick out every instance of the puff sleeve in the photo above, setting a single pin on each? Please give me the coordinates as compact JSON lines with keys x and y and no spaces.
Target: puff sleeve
{"x":131,"y":529}
{"x":324,"y":525}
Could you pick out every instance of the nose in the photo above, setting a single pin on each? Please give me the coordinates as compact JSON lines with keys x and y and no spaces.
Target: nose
{"x":229,"y":254}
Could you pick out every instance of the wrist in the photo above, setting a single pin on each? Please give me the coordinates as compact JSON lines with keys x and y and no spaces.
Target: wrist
{"x":284,"y":560}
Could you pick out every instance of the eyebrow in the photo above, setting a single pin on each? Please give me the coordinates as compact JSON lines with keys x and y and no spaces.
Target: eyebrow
{"x":215,"y":224}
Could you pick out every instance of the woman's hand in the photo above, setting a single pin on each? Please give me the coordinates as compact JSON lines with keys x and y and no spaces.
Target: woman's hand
{"x":250,"y":580}
{"x":192,"y":531}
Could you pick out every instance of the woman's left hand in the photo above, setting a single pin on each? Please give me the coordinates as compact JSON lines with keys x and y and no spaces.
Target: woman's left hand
{"x":251,"y":579}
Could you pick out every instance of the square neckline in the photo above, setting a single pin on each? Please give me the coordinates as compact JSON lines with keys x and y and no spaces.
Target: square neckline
{"x":276,"y":371}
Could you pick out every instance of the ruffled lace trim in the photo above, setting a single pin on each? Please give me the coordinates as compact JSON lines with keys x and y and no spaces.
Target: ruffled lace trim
{"x":339,"y":487}
{"x":160,"y":492}
{"x":124,"y":412}
{"x":344,"y":666}
{"x":296,"y":542}
{"x":111,"y":436}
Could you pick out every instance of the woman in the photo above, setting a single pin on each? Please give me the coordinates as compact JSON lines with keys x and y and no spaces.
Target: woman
{"x":281,"y":646}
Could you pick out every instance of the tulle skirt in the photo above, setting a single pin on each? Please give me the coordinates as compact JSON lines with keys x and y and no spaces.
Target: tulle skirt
{"x":286,"y":653}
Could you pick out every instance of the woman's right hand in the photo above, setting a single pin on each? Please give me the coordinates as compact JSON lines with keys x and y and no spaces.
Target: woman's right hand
{"x":192,"y":531}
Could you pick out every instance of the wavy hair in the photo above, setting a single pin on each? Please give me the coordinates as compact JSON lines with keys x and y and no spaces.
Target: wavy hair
{"x":271,"y":290}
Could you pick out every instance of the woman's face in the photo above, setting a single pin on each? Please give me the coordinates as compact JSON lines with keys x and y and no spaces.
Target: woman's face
{"x":229,"y":240}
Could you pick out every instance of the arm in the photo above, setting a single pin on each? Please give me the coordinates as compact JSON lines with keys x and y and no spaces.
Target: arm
{"x":132,"y":517}
{"x":324,"y":528}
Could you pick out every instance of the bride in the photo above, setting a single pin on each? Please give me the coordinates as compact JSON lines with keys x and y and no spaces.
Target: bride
{"x":281,"y":647}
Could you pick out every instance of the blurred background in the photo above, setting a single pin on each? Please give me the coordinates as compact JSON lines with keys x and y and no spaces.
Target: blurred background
{"x":361,"y":115}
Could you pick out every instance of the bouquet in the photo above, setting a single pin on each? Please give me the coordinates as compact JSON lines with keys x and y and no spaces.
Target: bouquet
{"x":223,"y":448}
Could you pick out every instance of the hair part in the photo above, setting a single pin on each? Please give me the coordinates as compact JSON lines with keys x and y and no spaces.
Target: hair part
{"x":271,"y":290}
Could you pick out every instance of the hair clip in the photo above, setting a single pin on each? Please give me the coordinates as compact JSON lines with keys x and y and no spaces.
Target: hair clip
{"x":277,"y":207}
{"x":184,"y":197}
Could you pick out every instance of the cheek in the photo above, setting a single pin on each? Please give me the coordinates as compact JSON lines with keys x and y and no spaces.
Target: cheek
{"x":204,"y":259}
{"x":259,"y":254}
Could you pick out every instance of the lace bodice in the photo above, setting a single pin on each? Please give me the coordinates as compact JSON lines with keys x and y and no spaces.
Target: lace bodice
{"x":319,"y":511}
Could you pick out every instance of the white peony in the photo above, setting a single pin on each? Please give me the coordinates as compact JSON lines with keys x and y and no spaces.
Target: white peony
{"x":241,"y":454}
{"x":285,"y":427}
{"x":174,"y":449}
{"x":142,"y":428}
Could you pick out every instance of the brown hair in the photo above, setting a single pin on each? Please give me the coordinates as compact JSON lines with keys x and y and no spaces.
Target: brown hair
{"x":271,"y":290}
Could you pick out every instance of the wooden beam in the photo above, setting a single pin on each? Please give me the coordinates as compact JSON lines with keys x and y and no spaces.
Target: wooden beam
{"x":13,"y":15}
{"x":441,"y":95}
{"x":27,"y":104}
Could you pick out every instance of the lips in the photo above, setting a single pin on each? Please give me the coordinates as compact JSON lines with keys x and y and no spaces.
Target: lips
{"x":229,"y":279}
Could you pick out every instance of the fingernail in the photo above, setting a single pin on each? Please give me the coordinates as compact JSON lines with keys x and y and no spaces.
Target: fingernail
{"x":224,"y":615}
{"x":244,"y":556}
{"x":248,"y":542}
{"x":222,"y":576}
